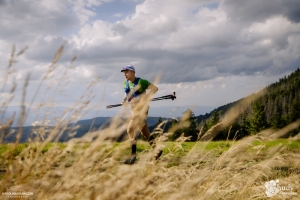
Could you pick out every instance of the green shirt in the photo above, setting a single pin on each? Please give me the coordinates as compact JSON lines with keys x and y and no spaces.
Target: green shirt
{"x":143,"y":85}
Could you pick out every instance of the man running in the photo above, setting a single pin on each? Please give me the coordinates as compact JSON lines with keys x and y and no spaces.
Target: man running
{"x":135,"y":93}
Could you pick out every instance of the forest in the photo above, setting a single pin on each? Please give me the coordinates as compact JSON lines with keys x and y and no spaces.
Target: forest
{"x":275,"y":106}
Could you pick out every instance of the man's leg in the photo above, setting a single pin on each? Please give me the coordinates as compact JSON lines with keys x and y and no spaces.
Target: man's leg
{"x":143,"y":127}
{"x":131,"y":134}
{"x":146,"y":133}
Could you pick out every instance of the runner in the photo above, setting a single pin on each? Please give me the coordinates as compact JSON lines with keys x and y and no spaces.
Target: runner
{"x":135,"y":93}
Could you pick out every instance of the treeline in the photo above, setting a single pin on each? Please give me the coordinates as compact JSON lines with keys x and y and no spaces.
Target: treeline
{"x":276,"y":108}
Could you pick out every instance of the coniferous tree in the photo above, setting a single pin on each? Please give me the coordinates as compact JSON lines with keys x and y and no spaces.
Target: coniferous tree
{"x":176,"y":133}
{"x":214,"y":119}
{"x":159,"y":121}
{"x":295,"y":107}
{"x":190,"y":130}
{"x":277,"y":120}
{"x":258,"y":121}
{"x":204,"y":128}
{"x":245,"y":126}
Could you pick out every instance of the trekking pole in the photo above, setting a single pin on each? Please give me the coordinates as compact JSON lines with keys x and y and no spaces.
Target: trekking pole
{"x":170,"y":96}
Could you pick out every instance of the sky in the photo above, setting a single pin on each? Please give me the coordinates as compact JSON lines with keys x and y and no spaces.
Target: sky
{"x":209,"y":52}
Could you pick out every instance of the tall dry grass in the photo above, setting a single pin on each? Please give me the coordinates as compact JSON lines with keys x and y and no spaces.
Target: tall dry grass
{"x":90,"y":167}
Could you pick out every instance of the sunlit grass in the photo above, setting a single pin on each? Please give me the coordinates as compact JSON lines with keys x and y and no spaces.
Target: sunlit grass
{"x":289,"y":144}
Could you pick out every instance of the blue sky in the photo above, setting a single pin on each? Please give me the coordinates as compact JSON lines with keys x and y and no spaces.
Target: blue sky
{"x":115,"y":10}
{"x":210,"y":52}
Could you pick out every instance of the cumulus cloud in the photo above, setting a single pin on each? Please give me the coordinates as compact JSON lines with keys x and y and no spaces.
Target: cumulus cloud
{"x":186,"y":41}
{"x":251,"y":11}
{"x":292,"y":10}
{"x":83,"y":8}
{"x":23,"y":20}
{"x":235,"y":38}
{"x":259,"y":11}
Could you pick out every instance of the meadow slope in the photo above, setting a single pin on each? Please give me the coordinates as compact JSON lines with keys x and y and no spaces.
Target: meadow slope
{"x":186,"y":170}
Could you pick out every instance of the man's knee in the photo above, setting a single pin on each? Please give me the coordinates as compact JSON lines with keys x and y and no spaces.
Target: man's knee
{"x":130,"y":129}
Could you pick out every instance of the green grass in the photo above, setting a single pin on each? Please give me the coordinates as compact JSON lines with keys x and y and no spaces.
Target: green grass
{"x":178,"y":149}
{"x":16,"y":150}
{"x":218,"y":147}
{"x":182,"y":149}
{"x":3,"y":148}
{"x":50,"y":145}
{"x":62,"y":145}
{"x":223,"y":145}
{"x":291,"y":145}
{"x":19,"y":148}
{"x":47,"y":147}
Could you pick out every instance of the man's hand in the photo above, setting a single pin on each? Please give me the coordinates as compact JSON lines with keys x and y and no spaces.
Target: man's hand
{"x":134,"y":100}
{"x":123,"y":102}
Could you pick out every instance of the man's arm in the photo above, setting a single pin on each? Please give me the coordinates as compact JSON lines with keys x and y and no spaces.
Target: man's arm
{"x":146,"y":97}
{"x":124,"y":98}
{"x":153,"y":89}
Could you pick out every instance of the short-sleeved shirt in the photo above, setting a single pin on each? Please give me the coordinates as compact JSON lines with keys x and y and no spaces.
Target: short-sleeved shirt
{"x":143,"y":83}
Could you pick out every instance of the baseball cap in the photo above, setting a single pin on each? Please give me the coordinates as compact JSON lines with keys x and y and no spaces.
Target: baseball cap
{"x":128,"y":67}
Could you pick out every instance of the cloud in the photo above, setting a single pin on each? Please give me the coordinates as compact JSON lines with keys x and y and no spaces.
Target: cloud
{"x":120,"y":29}
{"x":44,"y":48}
{"x":171,"y":38}
{"x":82,"y":9}
{"x":292,"y":10}
{"x":185,"y":41}
{"x":251,"y":11}
{"x":21,"y":21}
{"x":118,"y":15}
{"x":259,"y":11}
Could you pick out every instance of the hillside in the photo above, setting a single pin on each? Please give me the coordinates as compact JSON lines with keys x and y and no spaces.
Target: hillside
{"x":186,"y":170}
{"x":29,"y":133}
{"x":275,"y":106}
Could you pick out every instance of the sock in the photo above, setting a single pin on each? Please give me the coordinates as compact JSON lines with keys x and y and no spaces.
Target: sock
{"x":133,"y":148}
